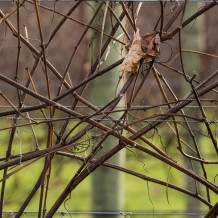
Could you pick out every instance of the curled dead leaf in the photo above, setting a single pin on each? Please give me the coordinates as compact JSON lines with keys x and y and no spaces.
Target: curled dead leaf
{"x":144,"y":47}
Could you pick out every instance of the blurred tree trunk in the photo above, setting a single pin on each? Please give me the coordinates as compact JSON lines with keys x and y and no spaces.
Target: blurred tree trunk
{"x":194,"y":39}
{"x":107,"y":184}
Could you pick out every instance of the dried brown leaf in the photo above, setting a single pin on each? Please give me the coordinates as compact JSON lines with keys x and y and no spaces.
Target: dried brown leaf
{"x":144,"y":47}
{"x":135,"y":54}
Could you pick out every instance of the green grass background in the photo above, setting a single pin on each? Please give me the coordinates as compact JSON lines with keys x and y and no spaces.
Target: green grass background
{"x":139,"y":195}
